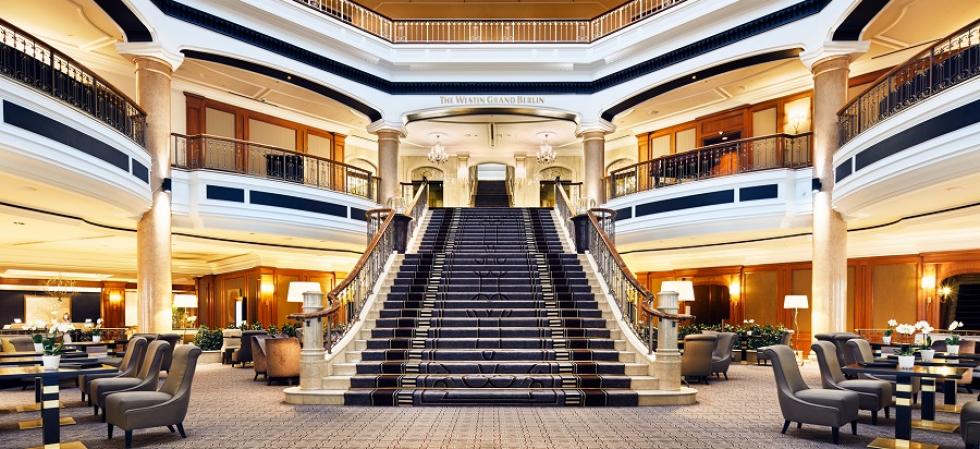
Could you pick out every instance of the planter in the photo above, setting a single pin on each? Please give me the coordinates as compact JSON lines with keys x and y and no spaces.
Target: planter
{"x":96,"y":338}
{"x":51,"y":362}
{"x":906,"y":361}
{"x":927,"y":354}
{"x":953,"y":349}
{"x":38,"y":347}
{"x":887,"y":340}
{"x":210,"y":357}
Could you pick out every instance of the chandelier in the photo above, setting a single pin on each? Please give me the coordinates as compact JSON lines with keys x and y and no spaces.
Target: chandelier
{"x":546,"y":154}
{"x":60,"y":287}
{"x":437,"y":154}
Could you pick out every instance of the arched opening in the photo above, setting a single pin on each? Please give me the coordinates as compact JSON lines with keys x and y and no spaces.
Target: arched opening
{"x":435,"y":178}
{"x":960,"y":300}
{"x":548,"y":178}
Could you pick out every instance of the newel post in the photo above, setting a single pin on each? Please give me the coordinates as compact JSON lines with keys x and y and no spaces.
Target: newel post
{"x":312,"y":369}
{"x":667,"y":366}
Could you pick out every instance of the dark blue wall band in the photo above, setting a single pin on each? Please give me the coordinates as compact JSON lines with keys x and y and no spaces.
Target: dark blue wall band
{"x":297,"y":203}
{"x":42,"y":125}
{"x":222,"y":193}
{"x":843,"y":170}
{"x":358,"y":214}
{"x":686,"y":202}
{"x":624,"y":214}
{"x":131,"y":25}
{"x":141,"y":172}
{"x":763,"y":192}
{"x":855,"y":22}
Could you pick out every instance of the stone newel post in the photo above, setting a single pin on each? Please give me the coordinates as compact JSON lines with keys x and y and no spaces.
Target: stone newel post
{"x":311,"y":369}
{"x":667,"y":366}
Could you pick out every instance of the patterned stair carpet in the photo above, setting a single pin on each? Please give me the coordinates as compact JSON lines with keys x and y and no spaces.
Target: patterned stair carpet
{"x":491,"y":194}
{"x":491,"y":311}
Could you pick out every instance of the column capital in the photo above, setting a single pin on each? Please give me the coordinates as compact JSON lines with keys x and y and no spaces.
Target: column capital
{"x":151,"y":50}
{"x":838,"y":52}
{"x":387,"y":127}
{"x":600,"y":126}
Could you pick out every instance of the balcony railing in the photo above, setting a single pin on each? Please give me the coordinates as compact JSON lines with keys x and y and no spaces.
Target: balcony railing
{"x":948,"y":62}
{"x":489,"y":31}
{"x":713,"y":161}
{"x":25,"y":59}
{"x":264,"y":161}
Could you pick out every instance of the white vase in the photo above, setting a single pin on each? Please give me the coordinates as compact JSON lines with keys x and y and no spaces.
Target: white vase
{"x":51,"y":362}
{"x":886,"y":339}
{"x":927,"y":354}
{"x":906,"y":361}
{"x":953,"y":349}
{"x":38,"y":347}
{"x":96,"y":338}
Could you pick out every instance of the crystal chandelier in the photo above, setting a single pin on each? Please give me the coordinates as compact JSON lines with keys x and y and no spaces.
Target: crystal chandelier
{"x":546,"y":154}
{"x":60,"y":287}
{"x":437,"y":154}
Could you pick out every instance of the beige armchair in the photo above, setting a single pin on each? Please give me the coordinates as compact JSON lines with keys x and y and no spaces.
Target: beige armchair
{"x":146,"y":379}
{"x":696,"y":360}
{"x":166,"y":407}
{"x":283,"y":359}
{"x":135,"y":350}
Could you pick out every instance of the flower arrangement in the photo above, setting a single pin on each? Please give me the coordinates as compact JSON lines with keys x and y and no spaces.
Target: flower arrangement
{"x":924,"y":330}
{"x":906,"y":329}
{"x":891,"y":327}
{"x":954,"y":339}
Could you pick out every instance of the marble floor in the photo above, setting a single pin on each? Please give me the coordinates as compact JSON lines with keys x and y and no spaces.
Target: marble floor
{"x":229,"y":410}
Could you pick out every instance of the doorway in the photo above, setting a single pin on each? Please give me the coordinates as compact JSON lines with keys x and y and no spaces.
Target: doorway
{"x":491,"y":171}
{"x":960,"y":300}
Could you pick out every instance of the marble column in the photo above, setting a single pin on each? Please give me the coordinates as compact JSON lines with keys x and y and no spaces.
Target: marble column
{"x":154,"y":279}
{"x":594,"y":143}
{"x":388,"y":141}
{"x":829,"y":302}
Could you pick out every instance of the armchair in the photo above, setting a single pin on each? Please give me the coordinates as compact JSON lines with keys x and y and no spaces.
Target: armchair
{"x":873,"y":395}
{"x":145,"y":379}
{"x":721,"y":358}
{"x":135,"y":350}
{"x":283,"y":359}
{"x":696,"y":360}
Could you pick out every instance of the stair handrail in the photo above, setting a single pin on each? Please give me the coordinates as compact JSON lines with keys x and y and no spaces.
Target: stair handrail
{"x":351,"y":293}
{"x":632,"y":298}
{"x":564,"y":207}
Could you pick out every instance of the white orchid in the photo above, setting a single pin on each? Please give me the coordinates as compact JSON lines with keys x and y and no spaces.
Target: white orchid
{"x":905,"y":329}
{"x":921,"y":324}
{"x":892,"y":322}
{"x":955,"y":325}
{"x":60,"y":328}
{"x":927,"y":329}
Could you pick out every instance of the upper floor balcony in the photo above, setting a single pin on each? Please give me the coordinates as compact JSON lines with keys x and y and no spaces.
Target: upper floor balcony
{"x":205,"y":152}
{"x":712,"y":161}
{"x":27,"y":60}
{"x":489,"y":31}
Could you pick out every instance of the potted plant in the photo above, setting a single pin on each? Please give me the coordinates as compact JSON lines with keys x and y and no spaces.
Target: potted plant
{"x":749,"y":324}
{"x":887,"y":337}
{"x":38,"y":338}
{"x":925,"y":341}
{"x":953,"y":340}
{"x":906,"y":355}
{"x":51,"y":359}
{"x":96,"y":332}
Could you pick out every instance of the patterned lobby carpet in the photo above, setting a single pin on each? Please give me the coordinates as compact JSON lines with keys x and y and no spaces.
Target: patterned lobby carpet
{"x":228,"y":410}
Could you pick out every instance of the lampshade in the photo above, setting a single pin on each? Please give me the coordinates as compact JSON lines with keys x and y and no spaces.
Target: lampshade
{"x":684,"y":289}
{"x":795,"y":302}
{"x":185,"y":300}
{"x":296,"y":290}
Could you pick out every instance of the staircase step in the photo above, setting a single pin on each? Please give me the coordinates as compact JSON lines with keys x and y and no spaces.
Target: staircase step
{"x":493,"y":343}
{"x":489,"y":396}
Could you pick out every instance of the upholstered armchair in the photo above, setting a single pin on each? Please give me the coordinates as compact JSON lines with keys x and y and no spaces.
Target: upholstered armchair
{"x":696,"y":361}
{"x":861,"y":351}
{"x":283,"y":359}
{"x":231,"y":340}
{"x":970,"y":424}
{"x":148,"y":337}
{"x":145,"y":379}
{"x":131,"y":361}
{"x":243,"y":354}
{"x":173,"y":339}
{"x":785,"y":338}
{"x":873,"y":395}
{"x":259,"y":360}
{"x":721,"y":358}
{"x":17,"y":343}
{"x":840,"y":340}
{"x":166,"y":406}
{"x":799,"y":403}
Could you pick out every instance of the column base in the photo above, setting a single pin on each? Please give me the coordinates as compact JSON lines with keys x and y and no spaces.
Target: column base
{"x":935,"y":426}
{"x":667,"y":368}
{"x":68,"y":445}
{"x":311,"y":370}
{"x":891,"y":443}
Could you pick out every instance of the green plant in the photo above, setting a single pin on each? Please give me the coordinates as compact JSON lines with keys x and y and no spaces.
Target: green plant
{"x":208,"y":339}
{"x":889,"y":332}
{"x":289,"y":330}
{"x":52,"y":346}
{"x":37,"y":338}
{"x":272,"y":330}
{"x":257,"y":326}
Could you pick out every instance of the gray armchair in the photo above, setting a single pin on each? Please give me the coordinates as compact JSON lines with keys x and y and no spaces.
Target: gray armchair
{"x":146,"y":379}
{"x":860,"y":350}
{"x":844,"y":357}
{"x":243,"y":354}
{"x":166,"y":406}
{"x":135,"y":350}
{"x":721,"y":358}
{"x":873,"y":395}
{"x":173,"y":339}
{"x":696,"y":361}
{"x":798,"y":402}
{"x":970,"y":425}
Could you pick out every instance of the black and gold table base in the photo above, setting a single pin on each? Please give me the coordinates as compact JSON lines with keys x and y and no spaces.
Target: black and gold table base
{"x":928,"y":413}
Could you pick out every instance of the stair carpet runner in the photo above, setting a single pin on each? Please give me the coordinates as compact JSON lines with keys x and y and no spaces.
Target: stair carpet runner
{"x":491,"y":194}
{"x":491,"y":311}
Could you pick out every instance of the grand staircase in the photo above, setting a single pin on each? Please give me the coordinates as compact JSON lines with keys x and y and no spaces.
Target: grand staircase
{"x":491,"y":194}
{"x":492,"y":309}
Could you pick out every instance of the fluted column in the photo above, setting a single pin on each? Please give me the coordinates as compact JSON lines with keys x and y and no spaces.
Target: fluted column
{"x":829,"y":306}
{"x":388,"y":141}
{"x":154,"y":280}
{"x":594,"y":143}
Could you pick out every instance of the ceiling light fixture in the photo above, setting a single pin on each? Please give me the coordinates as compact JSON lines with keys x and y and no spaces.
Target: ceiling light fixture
{"x":546,"y":154}
{"x":437,"y":154}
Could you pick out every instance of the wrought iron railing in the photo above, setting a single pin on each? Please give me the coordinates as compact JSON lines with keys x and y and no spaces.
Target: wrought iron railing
{"x":255,"y":159}
{"x":634,"y":301}
{"x":713,"y":161}
{"x":489,"y":31}
{"x":26,"y":59}
{"x":948,"y":62}
{"x":347,"y":299}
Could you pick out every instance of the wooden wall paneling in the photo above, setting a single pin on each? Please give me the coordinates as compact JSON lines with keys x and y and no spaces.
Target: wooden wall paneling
{"x":643,"y":147}
{"x":113,"y":304}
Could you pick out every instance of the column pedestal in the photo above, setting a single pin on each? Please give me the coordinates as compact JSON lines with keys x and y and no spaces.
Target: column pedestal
{"x":311,"y":369}
{"x":667,"y":367}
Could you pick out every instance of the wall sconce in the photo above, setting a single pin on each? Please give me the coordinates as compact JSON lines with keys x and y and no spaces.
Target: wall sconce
{"x":267,"y":288}
{"x":115,"y":297}
{"x":734,"y":289}
{"x":929,"y":285}
{"x":945,"y":291}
